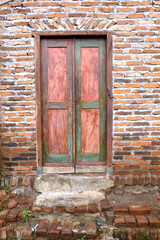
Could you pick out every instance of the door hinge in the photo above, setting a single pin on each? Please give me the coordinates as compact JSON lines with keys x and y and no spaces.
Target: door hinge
{"x":110,"y":93}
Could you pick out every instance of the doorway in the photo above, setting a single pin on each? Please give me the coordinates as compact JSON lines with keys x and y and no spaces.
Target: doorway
{"x":74,"y":99}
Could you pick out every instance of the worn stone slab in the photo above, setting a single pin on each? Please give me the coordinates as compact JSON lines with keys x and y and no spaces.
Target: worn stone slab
{"x":69,"y":199}
{"x":71,"y":190}
{"x":71,"y":183}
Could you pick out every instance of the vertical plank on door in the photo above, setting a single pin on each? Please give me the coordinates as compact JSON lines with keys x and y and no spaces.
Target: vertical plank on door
{"x":109,"y":99}
{"x":57,"y":74}
{"x":90,"y":101}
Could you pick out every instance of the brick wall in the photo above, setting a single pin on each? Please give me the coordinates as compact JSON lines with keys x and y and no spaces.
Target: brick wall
{"x":136,"y":58}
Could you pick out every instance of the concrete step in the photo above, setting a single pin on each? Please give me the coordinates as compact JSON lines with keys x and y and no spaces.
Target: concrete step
{"x":71,"y":189}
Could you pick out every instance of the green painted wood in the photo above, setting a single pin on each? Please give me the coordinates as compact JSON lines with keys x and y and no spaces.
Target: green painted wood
{"x":44,"y":75}
{"x":91,"y":105}
{"x":91,"y":157}
{"x":57,"y":105}
{"x":78,"y":98}
{"x":58,"y":158}
{"x":70,"y":98}
{"x":103,"y":103}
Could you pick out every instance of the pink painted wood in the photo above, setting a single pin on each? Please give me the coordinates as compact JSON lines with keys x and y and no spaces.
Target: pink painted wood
{"x":58,"y":131}
{"x":90,"y":131}
{"x":57,"y":74}
{"x":90,"y":74}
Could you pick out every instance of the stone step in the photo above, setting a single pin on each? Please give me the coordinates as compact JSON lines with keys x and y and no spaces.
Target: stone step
{"x":72,"y":182}
{"x":69,"y":198}
{"x":70,"y":189}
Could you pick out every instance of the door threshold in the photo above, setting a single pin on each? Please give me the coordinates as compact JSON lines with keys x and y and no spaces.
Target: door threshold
{"x":58,"y":170}
{"x":77,"y":169}
{"x":90,"y":169}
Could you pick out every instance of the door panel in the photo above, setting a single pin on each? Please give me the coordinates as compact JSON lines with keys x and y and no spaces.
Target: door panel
{"x":90,"y":101}
{"x":90,"y":74}
{"x":58,"y":136}
{"x":90,"y":132}
{"x":57,"y":78}
{"x":57,"y":74}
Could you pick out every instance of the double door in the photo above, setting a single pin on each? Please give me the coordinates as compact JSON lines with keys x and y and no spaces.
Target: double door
{"x":73,"y":73}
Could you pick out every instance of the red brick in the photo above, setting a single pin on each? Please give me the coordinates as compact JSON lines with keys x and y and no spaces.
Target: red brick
{"x":11,"y":231}
{"x":130,"y":221}
{"x":154,"y":221}
{"x":4,"y":215}
{"x":158,"y":196}
{"x":91,"y":229}
{"x":81,"y":209}
{"x":139,"y":210}
{"x":142,"y":221}
{"x":105,"y":206}
{"x":70,"y":209}
{"x":59,"y":208}
{"x":2,"y":223}
{"x":118,"y":210}
{"x":158,"y":230}
{"x":152,"y":234}
{"x":67,"y":228}
{"x":92,"y":208}
{"x":79,"y":230}
{"x":48,"y":209}
{"x":55,"y":228}
{"x":116,"y":232}
{"x":12,"y":215}
{"x":42,"y":228}
{"x":119,"y":222}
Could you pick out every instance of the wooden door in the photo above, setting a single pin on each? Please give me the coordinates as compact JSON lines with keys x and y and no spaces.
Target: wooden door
{"x":57,"y":75}
{"x":74,"y":102}
{"x":90,"y":63}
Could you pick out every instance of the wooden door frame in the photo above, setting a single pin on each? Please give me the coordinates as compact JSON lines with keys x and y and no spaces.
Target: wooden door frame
{"x":71,"y":34}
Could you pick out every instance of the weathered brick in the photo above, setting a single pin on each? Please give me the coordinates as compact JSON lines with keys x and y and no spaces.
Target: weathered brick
{"x":55,"y":228}
{"x":139,"y":210}
{"x":142,"y":221}
{"x":67,"y":228}
{"x":130,"y":221}
{"x":119,"y":222}
{"x":42,"y":229}
{"x":118,"y":210}
{"x":154,"y":221}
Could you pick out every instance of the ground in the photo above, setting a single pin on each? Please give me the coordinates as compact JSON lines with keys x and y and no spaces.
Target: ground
{"x":116,"y":217}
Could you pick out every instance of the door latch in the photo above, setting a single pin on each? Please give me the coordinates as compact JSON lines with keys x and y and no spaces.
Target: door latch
{"x":110,"y":93}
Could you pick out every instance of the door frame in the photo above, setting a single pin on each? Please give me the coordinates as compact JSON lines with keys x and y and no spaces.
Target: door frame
{"x":38,"y":84}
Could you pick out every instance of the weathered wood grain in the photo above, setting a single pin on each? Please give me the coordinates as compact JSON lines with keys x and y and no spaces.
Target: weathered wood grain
{"x":57,"y":74}
{"x":90,"y":74}
{"x":58,"y":131}
{"x":90,"y":131}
